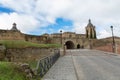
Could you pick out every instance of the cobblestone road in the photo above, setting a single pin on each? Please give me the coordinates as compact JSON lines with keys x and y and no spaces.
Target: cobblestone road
{"x":85,"y":65}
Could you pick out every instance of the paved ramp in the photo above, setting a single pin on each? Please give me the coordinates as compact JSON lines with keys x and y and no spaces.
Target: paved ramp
{"x":85,"y":65}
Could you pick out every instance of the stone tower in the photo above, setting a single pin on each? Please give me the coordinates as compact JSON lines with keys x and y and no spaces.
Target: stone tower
{"x":14,"y":28}
{"x":90,"y":31}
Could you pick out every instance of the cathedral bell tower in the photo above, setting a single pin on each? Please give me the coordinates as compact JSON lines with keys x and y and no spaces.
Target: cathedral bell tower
{"x":90,"y":31}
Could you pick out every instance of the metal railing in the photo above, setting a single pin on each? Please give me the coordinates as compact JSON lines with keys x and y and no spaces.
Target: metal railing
{"x":45,"y":64}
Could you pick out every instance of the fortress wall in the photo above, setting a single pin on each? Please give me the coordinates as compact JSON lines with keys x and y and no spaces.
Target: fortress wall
{"x":106,"y":44}
{"x":108,"y":48}
{"x":69,"y":35}
{"x":17,"y":35}
{"x":31,"y":38}
{"x":56,"y":40}
{"x":11,"y":35}
{"x":27,"y":54}
{"x":35,"y":39}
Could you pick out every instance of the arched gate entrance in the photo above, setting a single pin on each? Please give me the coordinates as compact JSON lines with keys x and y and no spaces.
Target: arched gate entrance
{"x":70,"y":45}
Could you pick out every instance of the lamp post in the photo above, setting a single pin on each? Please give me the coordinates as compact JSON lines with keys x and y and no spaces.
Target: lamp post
{"x":113,"y":41}
{"x":61,"y":36}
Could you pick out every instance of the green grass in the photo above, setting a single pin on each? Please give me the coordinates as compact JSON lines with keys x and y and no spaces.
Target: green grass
{"x":32,"y":64}
{"x":8,"y":71}
{"x":25,"y":44}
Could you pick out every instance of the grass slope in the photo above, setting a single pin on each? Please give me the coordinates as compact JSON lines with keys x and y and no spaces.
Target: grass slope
{"x":24,"y":44}
{"x":8,"y":71}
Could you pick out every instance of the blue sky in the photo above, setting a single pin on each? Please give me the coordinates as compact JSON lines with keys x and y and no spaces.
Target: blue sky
{"x":6,"y":10}
{"x":43,"y":16}
{"x":61,"y":24}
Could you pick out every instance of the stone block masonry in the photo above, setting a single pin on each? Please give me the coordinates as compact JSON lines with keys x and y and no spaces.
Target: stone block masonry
{"x":27,"y":54}
{"x":2,"y":52}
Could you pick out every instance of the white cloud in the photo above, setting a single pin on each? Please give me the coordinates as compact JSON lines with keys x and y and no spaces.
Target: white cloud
{"x":79,"y":28}
{"x":33,"y":14}
{"x":22,"y":6}
{"x":66,"y":29}
{"x":24,"y":22}
{"x":104,"y":34}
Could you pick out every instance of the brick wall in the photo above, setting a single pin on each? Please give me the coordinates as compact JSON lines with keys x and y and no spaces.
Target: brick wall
{"x":108,"y":48}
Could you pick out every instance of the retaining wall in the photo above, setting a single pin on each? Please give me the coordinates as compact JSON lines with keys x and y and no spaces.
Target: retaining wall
{"x":27,"y":54}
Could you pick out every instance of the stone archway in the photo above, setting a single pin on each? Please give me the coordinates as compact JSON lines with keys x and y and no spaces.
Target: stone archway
{"x":69,"y":45}
{"x":78,"y":46}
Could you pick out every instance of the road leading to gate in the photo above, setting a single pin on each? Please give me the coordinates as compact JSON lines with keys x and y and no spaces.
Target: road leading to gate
{"x":85,"y":65}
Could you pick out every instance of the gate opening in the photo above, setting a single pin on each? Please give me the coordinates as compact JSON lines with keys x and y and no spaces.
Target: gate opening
{"x":78,"y":46}
{"x":69,"y":45}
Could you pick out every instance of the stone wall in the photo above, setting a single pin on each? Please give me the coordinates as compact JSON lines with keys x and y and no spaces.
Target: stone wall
{"x":11,"y":35}
{"x":43,"y":39}
{"x":108,"y":48}
{"x":35,"y":39}
{"x":17,"y":35}
{"x":27,"y":54}
{"x":2,"y":52}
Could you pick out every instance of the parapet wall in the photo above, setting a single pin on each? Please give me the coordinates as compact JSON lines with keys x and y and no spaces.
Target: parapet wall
{"x":11,"y":35}
{"x":17,"y":35}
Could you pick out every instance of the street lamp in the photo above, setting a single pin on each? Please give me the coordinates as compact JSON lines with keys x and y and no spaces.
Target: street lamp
{"x":113,"y":42}
{"x":61,"y":36}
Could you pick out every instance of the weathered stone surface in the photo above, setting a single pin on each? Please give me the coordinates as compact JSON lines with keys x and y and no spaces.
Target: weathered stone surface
{"x":27,"y":54}
{"x":28,"y":71}
{"x":25,"y":69}
{"x":63,"y":69}
{"x":2,"y":52}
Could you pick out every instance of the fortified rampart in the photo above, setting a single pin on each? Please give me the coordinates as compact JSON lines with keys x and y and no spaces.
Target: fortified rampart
{"x":70,"y":39}
{"x":17,"y":35}
{"x":11,"y":35}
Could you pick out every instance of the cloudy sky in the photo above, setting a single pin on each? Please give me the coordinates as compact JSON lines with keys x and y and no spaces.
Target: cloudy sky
{"x":50,"y":16}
